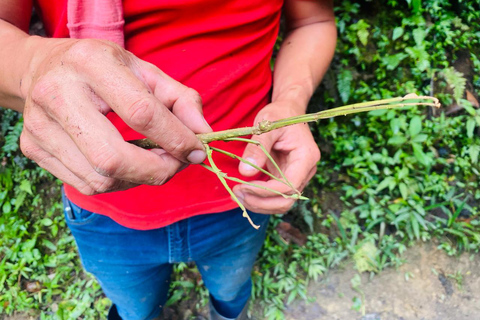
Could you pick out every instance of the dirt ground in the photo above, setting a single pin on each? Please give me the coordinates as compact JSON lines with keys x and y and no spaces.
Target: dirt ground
{"x":438,"y":288}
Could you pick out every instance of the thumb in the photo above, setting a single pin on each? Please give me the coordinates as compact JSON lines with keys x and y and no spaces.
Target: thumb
{"x":255,"y":155}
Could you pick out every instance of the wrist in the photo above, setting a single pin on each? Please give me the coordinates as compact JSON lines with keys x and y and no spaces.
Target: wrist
{"x":40,"y":49}
{"x":295,"y":97}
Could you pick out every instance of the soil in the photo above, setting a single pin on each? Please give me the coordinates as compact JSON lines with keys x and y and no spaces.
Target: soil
{"x":429,"y":286}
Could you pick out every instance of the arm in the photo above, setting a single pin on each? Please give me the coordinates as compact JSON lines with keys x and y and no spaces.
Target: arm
{"x":302,"y":61}
{"x":65,"y":87}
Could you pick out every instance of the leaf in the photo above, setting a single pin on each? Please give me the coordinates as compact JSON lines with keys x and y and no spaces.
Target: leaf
{"x":456,"y":81}
{"x":392,"y":61}
{"x":471,"y":98}
{"x":7,"y":207}
{"x":47,"y":222}
{"x":473,"y":151}
{"x":417,"y":5}
{"x":419,"y":35}
{"x":415,"y":227}
{"x":384,"y":184}
{"x":49,"y":244}
{"x":397,"y":33}
{"x":470,"y":127}
{"x":415,"y":126}
{"x":420,"y":138}
{"x":26,"y":186}
{"x":344,"y":82}
{"x":420,"y":155}
{"x":19,"y":201}
{"x":403,"y":190}
{"x":362,"y":31}
{"x":397,"y":140}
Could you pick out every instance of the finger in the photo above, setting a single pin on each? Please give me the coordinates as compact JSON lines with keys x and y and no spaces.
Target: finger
{"x":65,"y":154}
{"x":185,"y":103}
{"x":48,"y":162}
{"x":135,"y":103}
{"x":97,"y":140}
{"x":255,"y":154}
{"x":271,"y":205}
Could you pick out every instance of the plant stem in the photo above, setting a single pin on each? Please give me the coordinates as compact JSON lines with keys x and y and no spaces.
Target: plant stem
{"x":267,"y":126}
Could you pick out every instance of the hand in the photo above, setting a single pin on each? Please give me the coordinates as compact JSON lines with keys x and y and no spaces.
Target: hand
{"x":294,"y":150}
{"x":73,"y":84}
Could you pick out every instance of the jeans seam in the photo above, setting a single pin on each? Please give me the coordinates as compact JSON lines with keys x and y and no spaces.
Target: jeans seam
{"x":170,"y":249}
{"x":189,"y":247}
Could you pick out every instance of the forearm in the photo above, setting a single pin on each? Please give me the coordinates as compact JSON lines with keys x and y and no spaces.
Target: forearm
{"x":15,"y":57}
{"x":302,"y":61}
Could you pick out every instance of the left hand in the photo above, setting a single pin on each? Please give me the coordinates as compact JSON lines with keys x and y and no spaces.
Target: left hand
{"x":295,"y":152}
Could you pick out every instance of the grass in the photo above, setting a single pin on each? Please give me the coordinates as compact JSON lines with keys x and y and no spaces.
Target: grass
{"x":386,"y":180}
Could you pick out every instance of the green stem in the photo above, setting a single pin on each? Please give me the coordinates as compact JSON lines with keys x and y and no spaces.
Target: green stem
{"x":218,"y":172}
{"x":285,"y":180}
{"x":225,"y":176}
{"x":266,"y":125}
{"x":234,"y":156}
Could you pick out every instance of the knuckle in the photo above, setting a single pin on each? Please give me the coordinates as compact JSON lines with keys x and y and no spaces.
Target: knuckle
{"x":194,"y":95}
{"x":27,"y":147}
{"x":106,"y":163}
{"x":179,"y":145}
{"x":141,"y":114}
{"x":85,"y":189}
{"x":85,"y":52}
{"x":44,"y":89}
{"x":102,"y":185}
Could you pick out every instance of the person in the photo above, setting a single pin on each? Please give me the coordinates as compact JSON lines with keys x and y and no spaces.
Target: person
{"x":188,"y":67}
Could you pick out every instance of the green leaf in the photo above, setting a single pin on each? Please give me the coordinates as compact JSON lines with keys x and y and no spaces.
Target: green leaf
{"x":19,"y":201}
{"x":470,"y":127}
{"x":415,"y":227}
{"x":7,"y":207}
{"x":49,"y":244}
{"x":397,"y":140}
{"x":415,"y":126}
{"x":473,"y":151}
{"x":420,"y":155}
{"x":403,"y":190}
{"x":344,"y":82}
{"x":26,"y":186}
{"x":47,"y":222}
{"x":397,"y":33}
{"x":384,"y":184}
{"x":420,"y":138}
{"x":392,"y":61}
{"x":456,"y":81}
{"x":419,"y":35}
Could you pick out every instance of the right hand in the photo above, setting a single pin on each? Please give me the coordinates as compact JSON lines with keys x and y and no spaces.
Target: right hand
{"x":73,"y":84}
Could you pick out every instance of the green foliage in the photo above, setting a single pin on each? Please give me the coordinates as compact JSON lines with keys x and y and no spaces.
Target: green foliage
{"x":39,"y":268}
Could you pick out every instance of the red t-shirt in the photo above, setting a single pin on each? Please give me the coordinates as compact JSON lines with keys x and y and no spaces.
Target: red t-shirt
{"x":222,"y":49}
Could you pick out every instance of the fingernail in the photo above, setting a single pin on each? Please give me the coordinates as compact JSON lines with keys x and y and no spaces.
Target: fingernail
{"x":197,"y":156}
{"x":247,"y":167}
{"x":207,"y":125}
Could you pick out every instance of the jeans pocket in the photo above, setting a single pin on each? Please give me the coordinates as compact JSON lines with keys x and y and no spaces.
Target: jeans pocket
{"x":74,"y":215}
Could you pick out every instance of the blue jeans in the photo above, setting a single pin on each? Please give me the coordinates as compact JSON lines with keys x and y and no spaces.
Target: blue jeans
{"x":134,"y":267}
